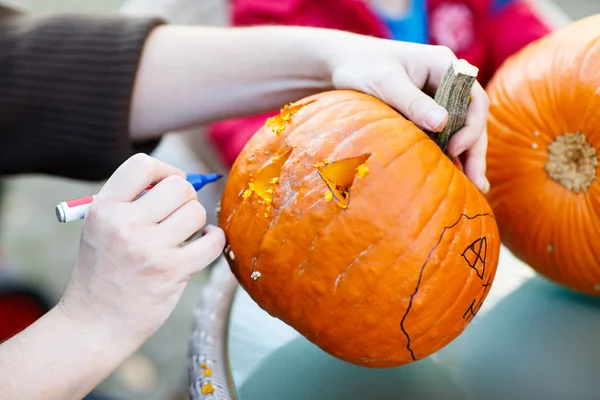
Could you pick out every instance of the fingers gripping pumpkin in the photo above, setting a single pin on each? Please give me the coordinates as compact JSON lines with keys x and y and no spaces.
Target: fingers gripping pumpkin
{"x":348,"y":223}
{"x":544,"y":139}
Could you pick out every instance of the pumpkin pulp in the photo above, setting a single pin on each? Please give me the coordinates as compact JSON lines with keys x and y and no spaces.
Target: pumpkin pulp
{"x":572,"y":161}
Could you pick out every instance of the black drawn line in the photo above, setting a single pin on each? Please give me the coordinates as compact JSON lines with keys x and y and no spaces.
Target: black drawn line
{"x":473,"y":309}
{"x":412,"y":296}
{"x":487,"y":284}
{"x":476,"y":249}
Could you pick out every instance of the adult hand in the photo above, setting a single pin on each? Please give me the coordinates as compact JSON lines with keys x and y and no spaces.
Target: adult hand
{"x":132,"y":266}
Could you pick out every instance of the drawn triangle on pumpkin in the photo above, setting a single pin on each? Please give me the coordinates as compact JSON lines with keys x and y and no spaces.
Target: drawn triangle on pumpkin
{"x":339,"y":176}
{"x":475,"y":255}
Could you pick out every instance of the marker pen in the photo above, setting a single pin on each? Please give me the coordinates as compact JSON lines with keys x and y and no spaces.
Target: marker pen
{"x":73,"y":210}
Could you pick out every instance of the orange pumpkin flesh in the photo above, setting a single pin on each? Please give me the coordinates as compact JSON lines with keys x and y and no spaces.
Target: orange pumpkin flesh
{"x":370,"y":242}
{"x":544,"y":139}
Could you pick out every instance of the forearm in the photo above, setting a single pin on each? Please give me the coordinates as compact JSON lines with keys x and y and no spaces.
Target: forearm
{"x":191,"y":75}
{"x":56,"y":358}
{"x":66,"y":84}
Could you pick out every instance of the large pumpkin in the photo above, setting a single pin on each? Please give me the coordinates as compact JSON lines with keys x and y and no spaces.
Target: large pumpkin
{"x":544,"y":137}
{"x":348,"y":223}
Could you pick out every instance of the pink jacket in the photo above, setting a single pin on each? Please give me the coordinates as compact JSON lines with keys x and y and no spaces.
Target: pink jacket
{"x":484,"y":32}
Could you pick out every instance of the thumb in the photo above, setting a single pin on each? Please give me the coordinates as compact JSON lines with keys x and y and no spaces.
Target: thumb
{"x":417,"y":106}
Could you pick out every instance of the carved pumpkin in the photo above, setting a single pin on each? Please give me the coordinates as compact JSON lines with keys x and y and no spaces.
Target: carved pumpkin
{"x":348,"y":223}
{"x":544,"y":137}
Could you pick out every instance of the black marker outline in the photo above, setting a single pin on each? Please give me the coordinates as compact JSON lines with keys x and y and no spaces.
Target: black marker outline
{"x":487,"y":284}
{"x":482,"y":245}
{"x":473,"y":311}
{"x":412,"y":296}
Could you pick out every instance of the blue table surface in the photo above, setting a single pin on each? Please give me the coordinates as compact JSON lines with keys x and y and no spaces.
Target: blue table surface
{"x":531,"y":339}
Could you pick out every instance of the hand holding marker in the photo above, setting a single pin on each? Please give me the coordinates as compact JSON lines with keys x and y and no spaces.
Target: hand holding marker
{"x":73,"y":210}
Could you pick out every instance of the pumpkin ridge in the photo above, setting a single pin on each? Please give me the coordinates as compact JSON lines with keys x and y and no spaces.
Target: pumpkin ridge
{"x":534,"y":115}
{"x":294,"y":196}
{"x":553,"y":97}
{"x":441,"y":261}
{"x":576,"y":274}
{"x":302,"y":183}
{"x":285,"y":134}
{"x":340,"y":213}
{"x":526,"y":177}
{"x":445,"y":256}
{"x":513,"y":115}
{"x":233,"y":213}
{"x":287,"y":199}
{"x":442,"y":339}
{"x":294,"y":129}
{"x":581,"y":236}
{"x":291,"y":128}
{"x":586,"y":56}
{"x":353,"y":263}
{"x":424,"y":139}
{"x":591,"y":275}
{"x":370,"y":124}
{"x":370,"y":290}
{"x":479,"y":215}
{"x":513,"y":225}
{"x":490,"y":279}
{"x":589,"y":207}
{"x":537,"y":97}
{"x":385,"y":166}
{"x":452,"y":182}
{"x":231,"y":220}
{"x":554,"y":238}
{"x":230,"y":217}
{"x":331,"y":154}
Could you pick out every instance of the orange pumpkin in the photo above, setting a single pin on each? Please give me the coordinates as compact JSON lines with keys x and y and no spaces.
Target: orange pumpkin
{"x":544,"y":137}
{"x":345,"y":221}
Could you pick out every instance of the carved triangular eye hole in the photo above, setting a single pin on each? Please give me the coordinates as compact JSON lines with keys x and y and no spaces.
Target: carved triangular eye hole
{"x":339,"y":176}
{"x":267,"y":177}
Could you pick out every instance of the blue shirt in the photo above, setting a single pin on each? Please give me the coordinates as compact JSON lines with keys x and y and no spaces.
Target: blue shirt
{"x":410,"y":27}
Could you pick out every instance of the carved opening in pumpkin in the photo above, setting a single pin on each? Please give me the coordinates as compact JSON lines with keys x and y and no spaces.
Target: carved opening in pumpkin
{"x":279,"y":122}
{"x":266,"y":178}
{"x":572,"y":162}
{"x":339,"y":177}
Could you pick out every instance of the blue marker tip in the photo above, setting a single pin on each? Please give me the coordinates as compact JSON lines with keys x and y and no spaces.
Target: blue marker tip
{"x":199,"y":180}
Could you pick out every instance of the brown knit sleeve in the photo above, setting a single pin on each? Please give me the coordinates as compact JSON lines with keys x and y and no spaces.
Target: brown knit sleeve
{"x":65,"y":89}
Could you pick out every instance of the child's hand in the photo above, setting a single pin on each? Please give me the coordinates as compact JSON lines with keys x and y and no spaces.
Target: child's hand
{"x":132,"y":270}
{"x":213,"y":74}
{"x":400,"y":74}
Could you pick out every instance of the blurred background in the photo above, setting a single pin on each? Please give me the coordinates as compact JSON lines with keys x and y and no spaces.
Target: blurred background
{"x":45,"y":252}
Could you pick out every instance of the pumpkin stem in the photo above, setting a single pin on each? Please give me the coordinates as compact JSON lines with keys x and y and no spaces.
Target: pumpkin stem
{"x":454,"y":94}
{"x":572,"y":161}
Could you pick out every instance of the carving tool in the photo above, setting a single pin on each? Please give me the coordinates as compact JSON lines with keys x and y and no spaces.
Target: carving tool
{"x":75,"y":209}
